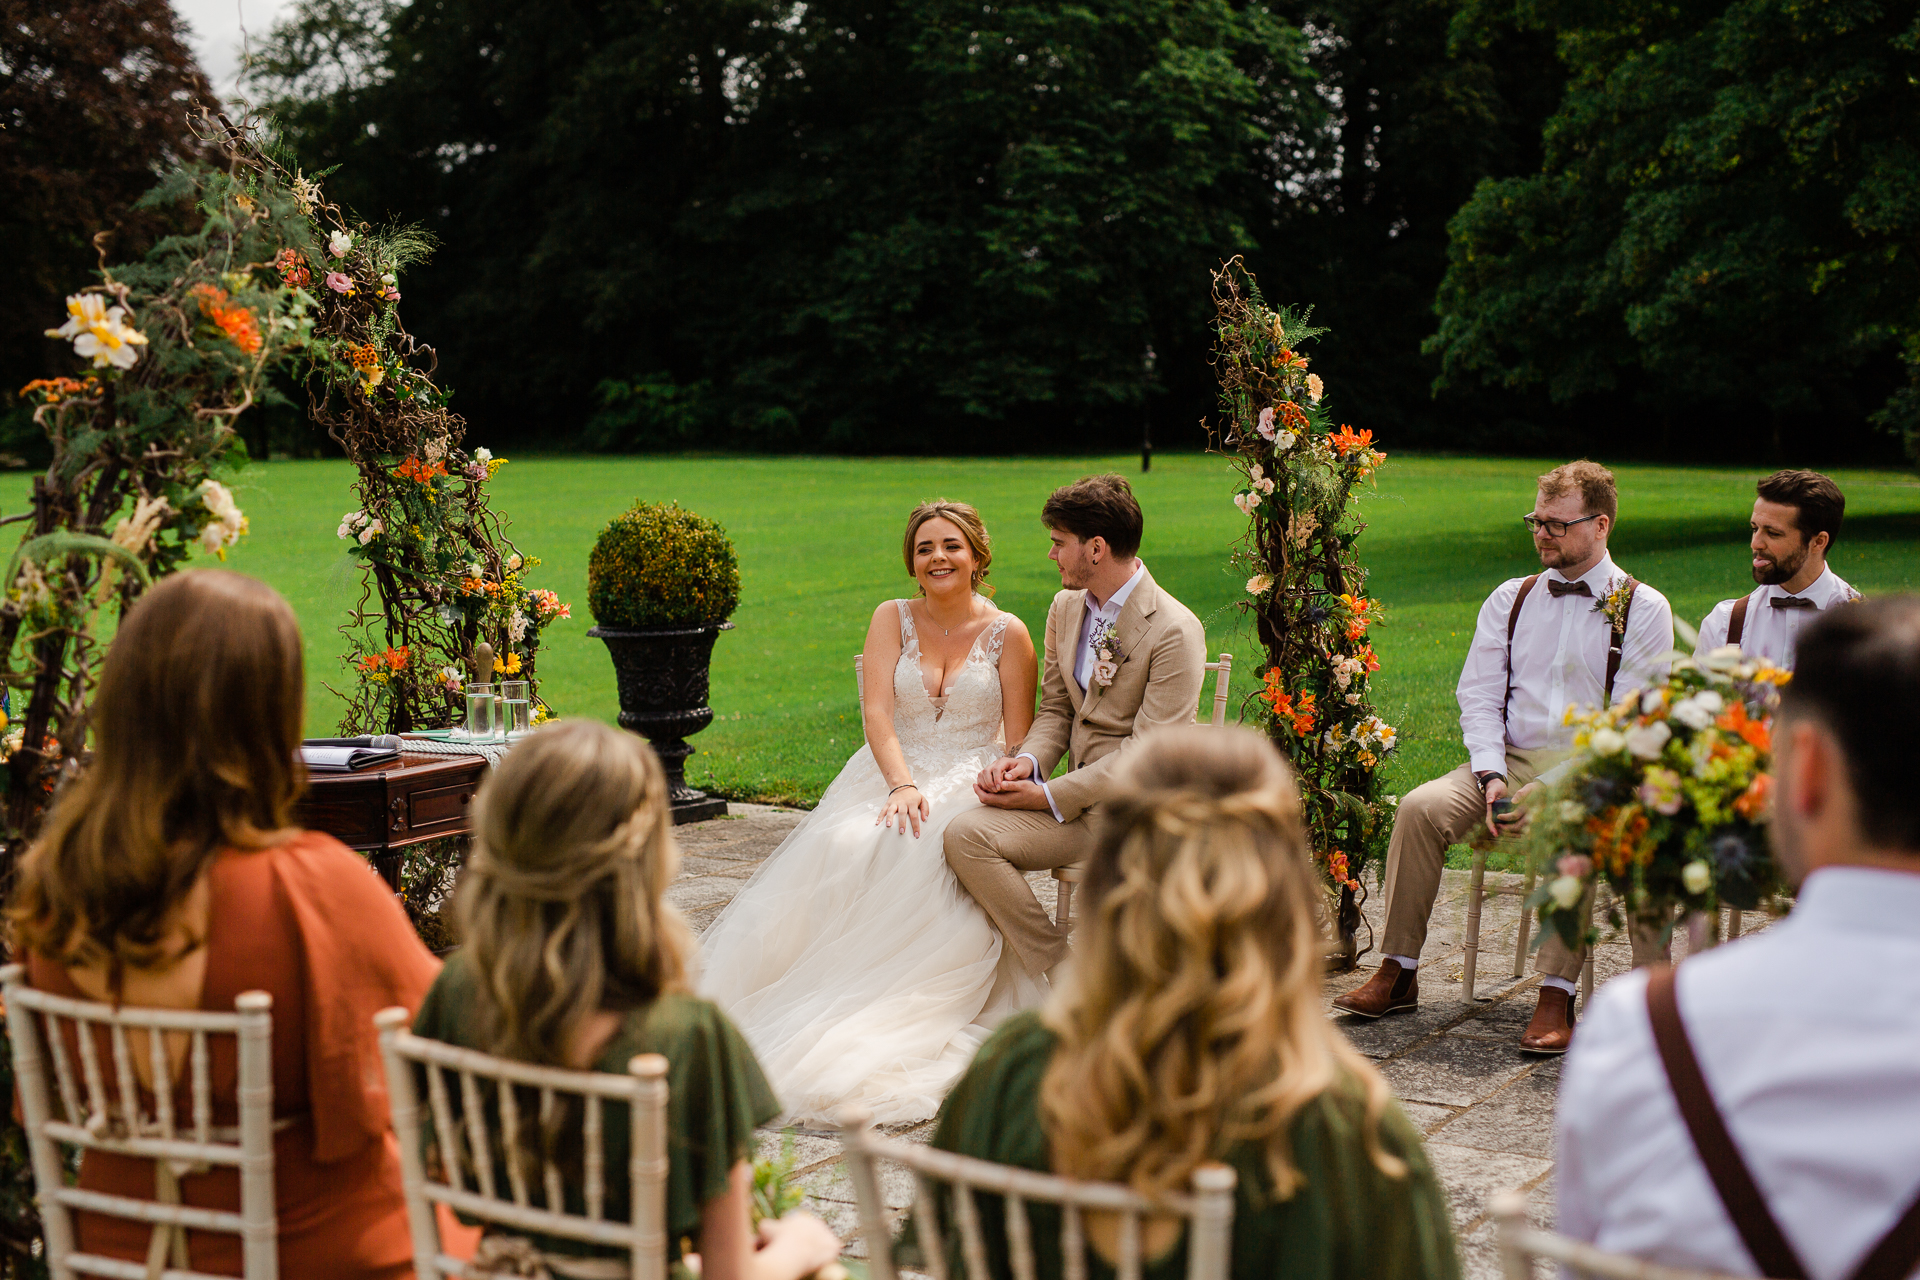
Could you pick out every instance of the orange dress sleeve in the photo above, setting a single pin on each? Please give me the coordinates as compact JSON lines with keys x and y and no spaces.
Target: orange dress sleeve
{"x":361,"y":956}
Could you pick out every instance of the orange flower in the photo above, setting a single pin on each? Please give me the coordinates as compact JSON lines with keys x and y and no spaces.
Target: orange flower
{"x":364,"y":356}
{"x":1365,"y":654}
{"x":1753,"y":802}
{"x":1303,"y":717}
{"x":237,"y":322}
{"x":418,"y":471}
{"x":1360,"y":611}
{"x":1620,"y":839}
{"x":1292,"y":416}
{"x":1276,"y":695}
{"x":54,"y":390}
{"x":1757,"y":733}
{"x":390,"y":660}
{"x":293,"y":272}
{"x":1344,"y":440}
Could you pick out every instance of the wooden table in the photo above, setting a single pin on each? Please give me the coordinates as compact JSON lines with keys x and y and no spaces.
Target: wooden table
{"x":380,"y":812}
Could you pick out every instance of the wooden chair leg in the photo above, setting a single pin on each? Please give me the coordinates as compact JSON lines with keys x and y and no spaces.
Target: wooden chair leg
{"x":1476,"y":883}
{"x":1525,"y":932}
{"x":1063,"y":903}
{"x":1733,"y":923}
{"x":1586,"y":967}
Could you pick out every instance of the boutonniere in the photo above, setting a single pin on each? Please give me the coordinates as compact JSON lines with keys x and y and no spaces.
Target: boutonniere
{"x":1106,"y":654}
{"x":1613,"y":605}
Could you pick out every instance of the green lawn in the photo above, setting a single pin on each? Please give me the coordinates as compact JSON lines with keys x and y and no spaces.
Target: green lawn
{"x":818,"y":540}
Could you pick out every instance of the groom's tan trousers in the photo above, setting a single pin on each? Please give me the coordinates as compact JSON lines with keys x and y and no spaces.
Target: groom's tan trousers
{"x":991,"y":850}
{"x":1447,"y":811}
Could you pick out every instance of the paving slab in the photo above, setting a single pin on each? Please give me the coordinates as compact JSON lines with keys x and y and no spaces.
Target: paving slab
{"x":1486,"y":1109}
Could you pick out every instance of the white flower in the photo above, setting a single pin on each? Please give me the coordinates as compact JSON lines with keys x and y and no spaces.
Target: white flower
{"x":1315,"y":387}
{"x":1692,"y":713}
{"x":1572,"y":811}
{"x":31,"y":587}
{"x":214,"y":537}
{"x":1711,"y":701}
{"x":483,"y":455}
{"x":1648,"y":740}
{"x":1649,"y":702}
{"x":373,"y":530}
{"x":1264,"y":485}
{"x":1284,"y":441}
{"x":1258,"y":583}
{"x":338,"y":243}
{"x":387,"y":277}
{"x":349,"y":524}
{"x":1726,"y":658}
{"x":1607,"y":742}
{"x":1353,"y":699}
{"x":476,"y":570}
{"x":100,"y":333}
{"x":513,"y":563}
{"x":1696,"y":877}
{"x":517,"y":626}
{"x":1246,"y":502}
{"x":218,"y":500}
{"x":1566,"y":892}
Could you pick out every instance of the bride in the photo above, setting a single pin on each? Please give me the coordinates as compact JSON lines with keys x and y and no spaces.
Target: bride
{"x":856,"y":965}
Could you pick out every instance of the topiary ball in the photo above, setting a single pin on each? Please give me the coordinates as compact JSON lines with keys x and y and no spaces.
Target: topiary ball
{"x":655,"y":565}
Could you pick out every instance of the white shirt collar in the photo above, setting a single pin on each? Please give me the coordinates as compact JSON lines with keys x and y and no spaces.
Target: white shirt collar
{"x":1825,"y":590}
{"x":1118,"y":600}
{"x":1859,"y":900}
{"x":1595,"y":578}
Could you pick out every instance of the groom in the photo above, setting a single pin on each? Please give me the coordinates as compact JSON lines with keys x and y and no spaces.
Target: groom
{"x":1123,"y":658}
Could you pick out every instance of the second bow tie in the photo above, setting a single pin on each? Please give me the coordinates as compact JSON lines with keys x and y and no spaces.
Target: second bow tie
{"x":1792,"y":602}
{"x":1568,"y":589}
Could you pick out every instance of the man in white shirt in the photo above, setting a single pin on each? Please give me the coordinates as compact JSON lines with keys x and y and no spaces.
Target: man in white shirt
{"x":1806,"y":1037}
{"x":1544,"y":645}
{"x":1795,"y":520}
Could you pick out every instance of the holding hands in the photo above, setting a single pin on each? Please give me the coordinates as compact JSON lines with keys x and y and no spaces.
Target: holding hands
{"x":1008,"y":783}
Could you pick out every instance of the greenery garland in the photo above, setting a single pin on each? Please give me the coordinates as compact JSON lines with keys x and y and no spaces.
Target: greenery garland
{"x":1306,"y":589}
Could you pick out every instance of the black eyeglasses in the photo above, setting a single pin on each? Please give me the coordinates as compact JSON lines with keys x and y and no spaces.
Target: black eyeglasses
{"x":1554,"y":528}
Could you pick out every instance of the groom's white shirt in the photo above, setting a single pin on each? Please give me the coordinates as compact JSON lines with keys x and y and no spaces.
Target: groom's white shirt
{"x":1772,"y":633}
{"x":1083,"y":660}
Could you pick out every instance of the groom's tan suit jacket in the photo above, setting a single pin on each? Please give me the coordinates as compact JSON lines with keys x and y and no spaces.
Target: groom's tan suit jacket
{"x":1162,"y":651}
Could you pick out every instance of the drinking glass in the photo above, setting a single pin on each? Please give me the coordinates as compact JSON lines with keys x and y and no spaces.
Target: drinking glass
{"x":480,"y":712}
{"x":517,"y":697}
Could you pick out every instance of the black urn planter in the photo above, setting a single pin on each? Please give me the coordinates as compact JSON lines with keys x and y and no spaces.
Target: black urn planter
{"x":661,"y":673}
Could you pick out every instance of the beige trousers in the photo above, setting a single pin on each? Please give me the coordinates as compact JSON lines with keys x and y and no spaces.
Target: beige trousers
{"x":1447,"y":811}
{"x":991,"y":850}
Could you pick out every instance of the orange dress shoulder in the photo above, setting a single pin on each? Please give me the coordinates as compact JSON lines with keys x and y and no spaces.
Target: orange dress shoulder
{"x":310,"y":924}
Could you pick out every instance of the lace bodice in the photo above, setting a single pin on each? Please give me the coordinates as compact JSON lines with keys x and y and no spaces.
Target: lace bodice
{"x":967,"y":716}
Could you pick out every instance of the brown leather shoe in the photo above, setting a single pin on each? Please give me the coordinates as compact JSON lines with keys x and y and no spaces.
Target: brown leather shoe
{"x":1391,"y":989}
{"x":1551,"y":1030}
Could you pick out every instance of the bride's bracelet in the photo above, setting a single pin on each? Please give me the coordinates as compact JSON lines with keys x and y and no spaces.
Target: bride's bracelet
{"x":903,"y":786}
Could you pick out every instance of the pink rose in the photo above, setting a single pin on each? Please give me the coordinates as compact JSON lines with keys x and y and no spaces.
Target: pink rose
{"x":1266,"y":423}
{"x":339,"y":282}
{"x":1104,"y":671}
{"x":1577,"y":865}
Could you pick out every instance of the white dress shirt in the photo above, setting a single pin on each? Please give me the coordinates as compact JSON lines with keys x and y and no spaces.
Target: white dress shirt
{"x":1770,"y":633}
{"x":1809,"y":1038}
{"x":1559,"y":661}
{"x":1083,"y":659}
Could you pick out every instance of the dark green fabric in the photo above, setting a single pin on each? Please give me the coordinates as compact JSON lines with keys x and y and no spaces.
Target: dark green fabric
{"x":716,"y":1095}
{"x":1348,"y":1221}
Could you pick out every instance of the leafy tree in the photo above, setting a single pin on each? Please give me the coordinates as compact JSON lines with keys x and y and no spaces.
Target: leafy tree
{"x":94,"y":98}
{"x":1728,"y":213}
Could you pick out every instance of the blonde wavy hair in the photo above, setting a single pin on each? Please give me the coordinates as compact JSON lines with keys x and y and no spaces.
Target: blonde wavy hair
{"x":1190,"y":1018}
{"x":561,"y":906}
{"x":967,"y":519}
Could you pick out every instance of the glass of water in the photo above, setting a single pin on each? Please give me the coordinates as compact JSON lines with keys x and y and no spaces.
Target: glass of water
{"x":517,"y":700}
{"x":480,"y":711}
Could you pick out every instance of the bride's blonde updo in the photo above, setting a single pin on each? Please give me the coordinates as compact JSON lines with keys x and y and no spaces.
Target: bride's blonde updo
{"x":1189,"y":1018}
{"x":561,"y":904}
{"x":972,"y":528}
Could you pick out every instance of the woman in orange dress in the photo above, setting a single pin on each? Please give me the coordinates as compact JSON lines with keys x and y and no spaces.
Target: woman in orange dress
{"x":168,"y":875}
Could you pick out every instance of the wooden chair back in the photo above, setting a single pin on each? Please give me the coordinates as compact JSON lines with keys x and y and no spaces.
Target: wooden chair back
{"x":79,"y":1109}
{"x":1208,"y":1210}
{"x":466,"y":1172}
{"x":1522,"y":1243}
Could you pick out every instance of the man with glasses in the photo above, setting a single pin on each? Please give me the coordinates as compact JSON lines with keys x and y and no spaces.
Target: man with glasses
{"x":1563,"y":639}
{"x":1796,"y":517}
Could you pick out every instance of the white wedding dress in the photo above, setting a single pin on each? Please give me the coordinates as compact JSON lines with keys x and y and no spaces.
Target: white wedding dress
{"x":857,"y":967}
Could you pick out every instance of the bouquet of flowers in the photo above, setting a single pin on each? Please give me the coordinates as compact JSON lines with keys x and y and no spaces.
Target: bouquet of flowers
{"x":1668,"y":800}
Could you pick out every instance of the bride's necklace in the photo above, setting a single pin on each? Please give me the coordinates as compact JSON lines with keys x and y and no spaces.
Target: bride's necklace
{"x":947,"y":631}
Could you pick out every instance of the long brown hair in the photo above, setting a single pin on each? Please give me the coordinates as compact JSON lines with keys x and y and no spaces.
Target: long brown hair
{"x":562,"y":904}
{"x":195,"y":730}
{"x":1190,"y":1019}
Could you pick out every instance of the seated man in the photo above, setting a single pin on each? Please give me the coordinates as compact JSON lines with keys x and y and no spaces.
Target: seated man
{"x":1578,"y":635}
{"x":1804,"y":1037}
{"x":1795,"y":520}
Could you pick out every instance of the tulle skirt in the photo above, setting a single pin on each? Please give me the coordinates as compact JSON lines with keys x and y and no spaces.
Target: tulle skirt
{"x":855,"y":964}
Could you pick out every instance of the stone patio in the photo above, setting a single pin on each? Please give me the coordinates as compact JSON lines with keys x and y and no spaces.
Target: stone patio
{"x":1486,"y":1111}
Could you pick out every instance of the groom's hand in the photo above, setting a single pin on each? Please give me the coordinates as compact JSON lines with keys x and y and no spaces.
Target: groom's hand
{"x":1017,"y":794}
{"x":1001,"y":773}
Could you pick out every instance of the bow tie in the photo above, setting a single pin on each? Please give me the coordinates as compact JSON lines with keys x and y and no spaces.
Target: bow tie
{"x":1792,"y":602}
{"x":1568,"y":589}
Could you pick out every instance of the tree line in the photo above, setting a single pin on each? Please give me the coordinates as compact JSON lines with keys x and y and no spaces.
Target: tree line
{"x":1684,"y":229}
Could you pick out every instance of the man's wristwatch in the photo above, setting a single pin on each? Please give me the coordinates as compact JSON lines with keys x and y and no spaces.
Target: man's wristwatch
{"x":1484,"y":778}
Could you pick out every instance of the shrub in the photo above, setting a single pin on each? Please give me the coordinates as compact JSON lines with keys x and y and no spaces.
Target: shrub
{"x":655,"y":565}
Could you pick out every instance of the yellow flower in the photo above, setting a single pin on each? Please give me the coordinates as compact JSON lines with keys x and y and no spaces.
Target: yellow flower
{"x":507,"y":666}
{"x":100,"y":333}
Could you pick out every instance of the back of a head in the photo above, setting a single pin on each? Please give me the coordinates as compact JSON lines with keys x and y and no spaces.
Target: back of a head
{"x":1857,"y":671}
{"x":196,"y":726}
{"x":1190,"y":1018}
{"x":561,"y":906}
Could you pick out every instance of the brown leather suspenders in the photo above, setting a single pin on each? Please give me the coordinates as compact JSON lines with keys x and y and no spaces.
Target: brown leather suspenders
{"x":1893,"y":1258}
{"x":1737,"y":624}
{"x":1614,"y":642}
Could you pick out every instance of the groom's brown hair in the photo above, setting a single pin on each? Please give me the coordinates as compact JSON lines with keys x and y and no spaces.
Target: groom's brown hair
{"x":1097,"y":507}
